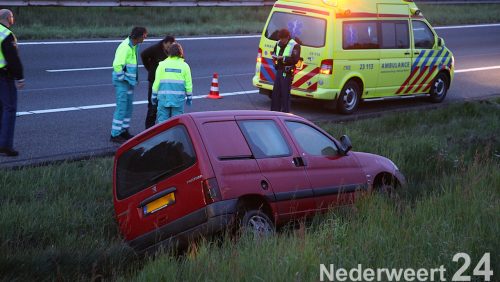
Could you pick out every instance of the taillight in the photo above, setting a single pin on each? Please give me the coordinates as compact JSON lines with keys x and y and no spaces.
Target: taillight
{"x":326,"y":67}
{"x":211,"y":190}
{"x":259,"y":56}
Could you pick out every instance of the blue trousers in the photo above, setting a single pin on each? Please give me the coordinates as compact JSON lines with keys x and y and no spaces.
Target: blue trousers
{"x":280,"y":99}
{"x":123,"y":110}
{"x":8,"y":108}
{"x":166,"y":112}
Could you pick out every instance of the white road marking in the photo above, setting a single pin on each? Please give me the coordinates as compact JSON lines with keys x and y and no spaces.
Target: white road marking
{"x":91,"y":107}
{"x":466,"y":26}
{"x":147,"y":40}
{"x":477,"y":69}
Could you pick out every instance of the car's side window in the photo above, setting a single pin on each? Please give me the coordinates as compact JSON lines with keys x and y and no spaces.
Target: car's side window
{"x":312,"y":141}
{"x":153,"y":160}
{"x":422,"y":35}
{"x":265,"y":138}
{"x":229,"y":145}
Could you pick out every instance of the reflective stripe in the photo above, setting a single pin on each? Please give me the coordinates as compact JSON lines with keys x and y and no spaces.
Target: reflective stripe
{"x":3,"y":62}
{"x":4,"y":34}
{"x":126,"y":120}
{"x":130,"y":92}
{"x":117,"y":121}
{"x":173,"y":70}
{"x":164,"y":92}
{"x":119,"y":72}
{"x":189,"y":93}
{"x":131,"y":66}
{"x":130,"y":74}
{"x":126,"y":126}
{"x":116,"y":127}
{"x":176,"y":81}
{"x":214,"y":88}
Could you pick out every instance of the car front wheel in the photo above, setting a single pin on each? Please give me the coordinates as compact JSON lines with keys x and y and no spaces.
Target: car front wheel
{"x":439,"y":88}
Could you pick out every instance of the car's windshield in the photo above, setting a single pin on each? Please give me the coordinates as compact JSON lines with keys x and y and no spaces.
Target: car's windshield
{"x":307,"y":31}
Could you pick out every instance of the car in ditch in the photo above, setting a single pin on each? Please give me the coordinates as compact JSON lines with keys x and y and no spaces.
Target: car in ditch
{"x":201,"y":173}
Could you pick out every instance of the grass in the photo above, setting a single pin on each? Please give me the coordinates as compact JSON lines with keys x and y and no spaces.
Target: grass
{"x":57,"y":222}
{"x":101,"y":22}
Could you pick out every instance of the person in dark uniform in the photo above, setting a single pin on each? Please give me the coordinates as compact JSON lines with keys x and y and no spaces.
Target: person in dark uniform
{"x":11,"y":78}
{"x":286,"y":55}
{"x":151,"y":57}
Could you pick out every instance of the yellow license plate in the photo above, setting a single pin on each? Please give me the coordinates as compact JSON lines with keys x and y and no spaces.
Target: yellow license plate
{"x":159,"y":204}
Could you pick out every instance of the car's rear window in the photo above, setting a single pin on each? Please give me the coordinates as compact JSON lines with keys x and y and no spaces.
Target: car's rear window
{"x":153,"y":160}
{"x":307,"y":31}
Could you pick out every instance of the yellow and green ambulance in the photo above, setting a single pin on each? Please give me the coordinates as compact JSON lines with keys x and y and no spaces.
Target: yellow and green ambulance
{"x":357,"y":50}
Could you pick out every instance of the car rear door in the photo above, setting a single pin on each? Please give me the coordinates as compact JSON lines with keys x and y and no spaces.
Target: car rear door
{"x":153,"y":182}
{"x":235,"y":167}
{"x":334,"y":177}
{"x":280,"y":164}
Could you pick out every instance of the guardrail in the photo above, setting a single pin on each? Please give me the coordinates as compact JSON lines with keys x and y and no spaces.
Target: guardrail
{"x":132,"y":3}
{"x":153,"y":3}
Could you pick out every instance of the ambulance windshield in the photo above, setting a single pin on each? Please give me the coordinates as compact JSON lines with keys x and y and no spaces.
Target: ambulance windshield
{"x":307,"y":31}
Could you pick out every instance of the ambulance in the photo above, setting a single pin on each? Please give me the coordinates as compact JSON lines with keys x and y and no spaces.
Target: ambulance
{"x":357,"y":50}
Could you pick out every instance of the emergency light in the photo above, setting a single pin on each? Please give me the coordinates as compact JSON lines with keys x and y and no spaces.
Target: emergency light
{"x":330,"y":2}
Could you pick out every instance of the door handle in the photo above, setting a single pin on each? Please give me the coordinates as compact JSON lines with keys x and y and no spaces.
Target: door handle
{"x":416,"y":53}
{"x":299,"y":161}
{"x":407,"y":53}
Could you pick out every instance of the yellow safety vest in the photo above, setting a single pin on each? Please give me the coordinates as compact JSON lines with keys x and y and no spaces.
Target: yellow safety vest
{"x":4,"y":32}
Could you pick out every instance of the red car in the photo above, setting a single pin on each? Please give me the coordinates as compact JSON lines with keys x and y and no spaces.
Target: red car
{"x":201,"y":173}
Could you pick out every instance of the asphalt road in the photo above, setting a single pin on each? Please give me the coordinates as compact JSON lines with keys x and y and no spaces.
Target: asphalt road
{"x":65,"y":110}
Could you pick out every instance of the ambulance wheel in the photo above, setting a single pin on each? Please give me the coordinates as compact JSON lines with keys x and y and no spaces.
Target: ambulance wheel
{"x":348,"y":100}
{"x":439,"y":88}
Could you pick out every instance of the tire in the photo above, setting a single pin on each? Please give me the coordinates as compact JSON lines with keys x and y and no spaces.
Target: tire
{"x":439,"y":88}
{"x":388,"y":188}
{"x":348,"y":100}
{"x":257,"y":223}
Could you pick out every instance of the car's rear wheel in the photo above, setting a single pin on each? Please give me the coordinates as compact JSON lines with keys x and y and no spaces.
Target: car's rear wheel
{"x":257,"y":223}
{"x":439,"y":88}
{"x":349,"y":97}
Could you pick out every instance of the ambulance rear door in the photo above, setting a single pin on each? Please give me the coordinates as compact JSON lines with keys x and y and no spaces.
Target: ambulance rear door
{"x":309,"y":28}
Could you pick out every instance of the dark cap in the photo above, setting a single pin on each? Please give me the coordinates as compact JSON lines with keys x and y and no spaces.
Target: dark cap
{"x":283,"y":33}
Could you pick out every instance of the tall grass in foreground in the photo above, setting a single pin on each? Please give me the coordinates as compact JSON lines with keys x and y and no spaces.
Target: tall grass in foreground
{"x":100,"y":22}
{"x":462,"y":215}
{"x":57,"y":222}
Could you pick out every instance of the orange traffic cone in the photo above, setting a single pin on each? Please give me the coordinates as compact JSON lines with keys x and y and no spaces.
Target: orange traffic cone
{"x":214,"y":89}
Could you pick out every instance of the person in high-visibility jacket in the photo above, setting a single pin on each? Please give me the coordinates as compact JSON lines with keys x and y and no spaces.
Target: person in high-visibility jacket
{"x":286,"y":55}
{"x":173,"y":85}
{"x":125,"y":78}
{"x":11,"y":78}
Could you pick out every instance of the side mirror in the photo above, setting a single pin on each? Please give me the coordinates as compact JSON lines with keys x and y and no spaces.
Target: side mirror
{"x":345,"y":141}
{"x":440,"y":42}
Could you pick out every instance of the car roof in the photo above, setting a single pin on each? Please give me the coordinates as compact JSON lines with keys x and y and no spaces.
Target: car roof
{"x":233,"y":113}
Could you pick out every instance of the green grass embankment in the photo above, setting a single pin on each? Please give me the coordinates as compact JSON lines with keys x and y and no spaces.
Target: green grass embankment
{"x":57,"y":222}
